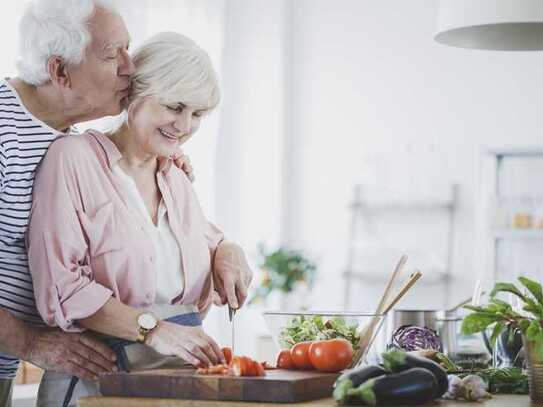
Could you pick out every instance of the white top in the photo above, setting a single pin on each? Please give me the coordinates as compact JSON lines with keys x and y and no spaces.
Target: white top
{"x":168,"y":266}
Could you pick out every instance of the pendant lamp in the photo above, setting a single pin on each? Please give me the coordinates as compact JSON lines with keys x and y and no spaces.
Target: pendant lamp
{"x":503,"y":25}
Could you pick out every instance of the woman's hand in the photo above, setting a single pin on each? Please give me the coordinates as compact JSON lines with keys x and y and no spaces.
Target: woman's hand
{"x":190,"y":343}
{"x":182,"y":161}
{"x":231,"y":274}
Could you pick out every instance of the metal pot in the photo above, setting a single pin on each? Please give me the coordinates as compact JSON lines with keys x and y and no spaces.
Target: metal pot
{"x":535,"y":370}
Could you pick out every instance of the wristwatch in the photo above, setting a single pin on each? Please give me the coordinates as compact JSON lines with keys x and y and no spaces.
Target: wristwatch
{"x":146,"y":323}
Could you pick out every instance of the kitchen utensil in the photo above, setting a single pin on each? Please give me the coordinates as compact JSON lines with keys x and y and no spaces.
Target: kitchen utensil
{"x":367,"y":333}
{"x":397,"y":270}
{"x":231,"y":318}
{"x":365,"y":341}
{"x":461,"y":304}
{"x":406,"y":287}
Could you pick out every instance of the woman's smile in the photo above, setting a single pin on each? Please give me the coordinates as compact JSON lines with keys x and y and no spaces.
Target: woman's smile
{"x":169,"y":135}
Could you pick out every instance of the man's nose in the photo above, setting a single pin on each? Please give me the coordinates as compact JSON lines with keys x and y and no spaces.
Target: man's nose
{"x":127,"y":68}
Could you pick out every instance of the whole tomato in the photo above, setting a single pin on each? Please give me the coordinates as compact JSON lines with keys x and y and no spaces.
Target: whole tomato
{"x":300,"y":355}
{"x":331,"y":356}
{"x":284,"y":360}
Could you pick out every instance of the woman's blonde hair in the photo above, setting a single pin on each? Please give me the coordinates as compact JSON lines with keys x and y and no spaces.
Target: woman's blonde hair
{"x":174,"y":69}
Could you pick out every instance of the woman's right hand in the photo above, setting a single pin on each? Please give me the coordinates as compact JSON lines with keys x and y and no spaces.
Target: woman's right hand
{"x":190,"y":343}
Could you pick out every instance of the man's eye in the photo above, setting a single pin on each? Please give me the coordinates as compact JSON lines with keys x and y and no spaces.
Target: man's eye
{"x":175,"y":108}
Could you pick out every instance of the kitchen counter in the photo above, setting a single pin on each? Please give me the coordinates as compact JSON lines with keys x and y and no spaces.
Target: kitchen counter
{"x":497,"y":401}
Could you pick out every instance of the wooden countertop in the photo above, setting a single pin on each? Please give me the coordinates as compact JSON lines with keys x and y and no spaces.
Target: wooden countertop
{"x":497,"y":401}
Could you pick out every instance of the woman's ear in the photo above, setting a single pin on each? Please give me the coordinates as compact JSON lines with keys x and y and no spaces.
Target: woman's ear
{"x":133,"y":106}
{"x":58,"y":71}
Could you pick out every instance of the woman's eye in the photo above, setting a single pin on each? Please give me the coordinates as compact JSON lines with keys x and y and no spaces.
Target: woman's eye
{"x":175,"y":108}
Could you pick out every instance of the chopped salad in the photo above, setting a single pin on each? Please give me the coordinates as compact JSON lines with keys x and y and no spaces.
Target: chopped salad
{"x":312,"y":328}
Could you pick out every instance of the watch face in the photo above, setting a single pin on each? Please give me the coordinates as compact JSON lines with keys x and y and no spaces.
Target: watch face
{"x":147,"y":321}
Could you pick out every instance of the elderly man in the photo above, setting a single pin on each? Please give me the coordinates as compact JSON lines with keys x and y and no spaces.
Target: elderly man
{"x":74,"y":67}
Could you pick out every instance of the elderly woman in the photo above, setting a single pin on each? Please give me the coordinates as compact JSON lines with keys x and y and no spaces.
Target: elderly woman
{"x":117,"y":242}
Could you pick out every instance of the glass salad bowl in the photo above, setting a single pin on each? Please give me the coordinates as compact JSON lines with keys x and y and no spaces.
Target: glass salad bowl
{"x":362,"y":330}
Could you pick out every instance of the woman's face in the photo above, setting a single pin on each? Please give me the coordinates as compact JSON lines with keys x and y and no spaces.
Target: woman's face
{"x":160,"y":129}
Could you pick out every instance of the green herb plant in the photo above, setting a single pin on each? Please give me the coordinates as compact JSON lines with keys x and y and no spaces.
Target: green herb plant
{"x":282,"y":269}
{"x":500,"y":315}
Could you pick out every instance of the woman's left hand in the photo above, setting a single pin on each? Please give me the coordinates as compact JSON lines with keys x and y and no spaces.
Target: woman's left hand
{"x":231,"y":274}
{"x":182,"y":161}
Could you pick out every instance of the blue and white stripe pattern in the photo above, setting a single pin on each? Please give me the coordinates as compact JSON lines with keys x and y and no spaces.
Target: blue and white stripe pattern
{"x":23,"y":143}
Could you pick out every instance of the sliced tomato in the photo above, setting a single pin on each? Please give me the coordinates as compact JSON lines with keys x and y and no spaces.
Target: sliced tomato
{"x":227,"y":352}
{"x":244,"y":366}
{"x":300,"y":356}
{"x":284,"y":360}
{"x":259,"y":369}
{"x":332,"y":355}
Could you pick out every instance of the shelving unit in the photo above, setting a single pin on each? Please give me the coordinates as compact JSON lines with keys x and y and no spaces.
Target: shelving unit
{"x":495,"y":162}
{"x":516,"y":234}
{"x":361,"y":208}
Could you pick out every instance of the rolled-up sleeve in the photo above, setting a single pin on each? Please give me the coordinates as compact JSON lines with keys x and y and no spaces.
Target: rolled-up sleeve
{"x":214,"y":237}
{"x":57,"y":248}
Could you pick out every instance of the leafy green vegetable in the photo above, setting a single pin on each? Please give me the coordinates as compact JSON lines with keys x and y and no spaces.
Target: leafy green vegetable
{"x":534,"y":288}
{"x":502,"y":317}
{"x":504,"y":381}
{"x":310,"y":328}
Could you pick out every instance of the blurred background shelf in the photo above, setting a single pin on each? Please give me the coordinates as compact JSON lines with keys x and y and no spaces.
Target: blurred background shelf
{"x":512,"y":203}
{"x":383,"y":227}
{"x":517,"y":234}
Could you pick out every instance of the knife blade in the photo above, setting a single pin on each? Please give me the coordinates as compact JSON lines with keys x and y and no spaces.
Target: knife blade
{"x":231,"y":317}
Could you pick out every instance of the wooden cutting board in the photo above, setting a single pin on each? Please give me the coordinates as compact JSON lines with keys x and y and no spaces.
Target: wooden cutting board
{"x":280,"y":386}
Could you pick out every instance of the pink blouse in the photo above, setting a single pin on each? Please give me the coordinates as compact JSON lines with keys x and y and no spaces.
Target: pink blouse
{"x":86,"y":244}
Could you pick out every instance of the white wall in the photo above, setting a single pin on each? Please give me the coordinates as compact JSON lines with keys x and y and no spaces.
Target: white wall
{"x":376,"y":100}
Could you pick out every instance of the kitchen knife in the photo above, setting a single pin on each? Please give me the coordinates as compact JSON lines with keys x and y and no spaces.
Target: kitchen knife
{"x":231,"y":317}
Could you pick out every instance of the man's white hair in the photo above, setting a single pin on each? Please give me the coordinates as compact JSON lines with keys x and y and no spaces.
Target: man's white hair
{"x":54,"y":28}
{"x":174,"y":69}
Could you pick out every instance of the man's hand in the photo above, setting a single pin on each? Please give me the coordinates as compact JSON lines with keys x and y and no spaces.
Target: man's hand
{"x":231,"y":274}
{"x":182,"y":161}
{"x":77,"y":354}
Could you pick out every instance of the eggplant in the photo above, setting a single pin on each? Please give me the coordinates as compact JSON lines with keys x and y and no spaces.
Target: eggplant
{"x":359,"y":375}
{"x":353,"y":378}
{"x":398,"y":361}
{"x":413,"y":387}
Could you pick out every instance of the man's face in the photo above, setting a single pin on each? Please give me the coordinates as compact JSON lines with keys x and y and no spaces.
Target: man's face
{"x":100,"y":84}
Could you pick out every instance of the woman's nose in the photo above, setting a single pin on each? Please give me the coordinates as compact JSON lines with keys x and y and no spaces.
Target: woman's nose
{"x":183,"y":123}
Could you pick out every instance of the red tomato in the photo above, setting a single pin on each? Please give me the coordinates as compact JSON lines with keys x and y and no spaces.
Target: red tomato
{"x":300,"y":356}
{"x":284,"y":360}
{"x":331,"y":356}
{"x":258,"y":369}
{"x":227,"y":352}
{"x":244,"y":366}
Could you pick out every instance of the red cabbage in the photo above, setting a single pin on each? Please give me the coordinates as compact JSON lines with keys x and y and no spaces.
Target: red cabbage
{"x":410,"y":338}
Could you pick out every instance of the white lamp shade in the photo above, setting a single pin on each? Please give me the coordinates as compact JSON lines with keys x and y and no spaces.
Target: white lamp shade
{"x":505,"y":25}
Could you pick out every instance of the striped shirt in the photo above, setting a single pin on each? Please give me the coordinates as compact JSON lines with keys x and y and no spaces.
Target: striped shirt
{"x":23,"y":142}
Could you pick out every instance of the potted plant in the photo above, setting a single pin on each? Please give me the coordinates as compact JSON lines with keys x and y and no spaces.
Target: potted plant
{"x":283,"y":270}
{"x":501,"y":317}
